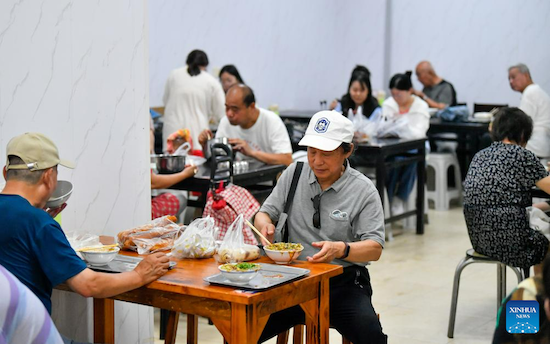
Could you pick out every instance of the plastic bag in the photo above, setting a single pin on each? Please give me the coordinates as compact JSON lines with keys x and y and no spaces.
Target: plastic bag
{"x":158,"y":235}
{"x":363,"y":127}
{"x":454,"y":114}
{"x":197,"y":241}
{"x":539,"y":220}
{"x":78,"y":240}
{"x":233,"y":249}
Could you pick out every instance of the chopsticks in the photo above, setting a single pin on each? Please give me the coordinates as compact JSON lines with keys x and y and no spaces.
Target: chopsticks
{"x":87,"y":248}
{"x":257,"y":231}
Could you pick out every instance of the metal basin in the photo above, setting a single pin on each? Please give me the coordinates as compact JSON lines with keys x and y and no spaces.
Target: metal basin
{"x":167,"y":164}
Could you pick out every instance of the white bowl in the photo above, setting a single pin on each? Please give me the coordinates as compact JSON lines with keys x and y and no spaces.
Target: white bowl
{"x":283,"y":257}
{"x":239,"y":277}
{"x":61,"y":194}
{"x":100,"y":258}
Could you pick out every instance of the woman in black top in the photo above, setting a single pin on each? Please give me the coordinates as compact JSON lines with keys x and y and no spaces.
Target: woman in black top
{"x":497,"y":193}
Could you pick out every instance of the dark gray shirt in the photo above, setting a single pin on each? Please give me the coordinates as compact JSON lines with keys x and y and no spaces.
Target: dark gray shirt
{"x":443,"y":92}
{"x":350,"y":209}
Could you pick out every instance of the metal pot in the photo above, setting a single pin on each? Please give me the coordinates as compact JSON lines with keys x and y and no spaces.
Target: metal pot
{"x":208,"y":150}
{"x":167,"y":164}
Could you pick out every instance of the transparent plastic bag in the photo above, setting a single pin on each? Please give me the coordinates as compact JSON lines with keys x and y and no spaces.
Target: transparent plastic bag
{"x":197,"y":241}
{"x":79,"y":240}
{"x":233,"y":249}
{"x":158,"y":235}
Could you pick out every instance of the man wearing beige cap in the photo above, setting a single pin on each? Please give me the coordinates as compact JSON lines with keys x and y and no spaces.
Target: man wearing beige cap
{"x":34,"y":247}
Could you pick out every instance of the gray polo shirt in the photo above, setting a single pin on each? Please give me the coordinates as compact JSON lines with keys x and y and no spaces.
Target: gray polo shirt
{"x":350,"y":209}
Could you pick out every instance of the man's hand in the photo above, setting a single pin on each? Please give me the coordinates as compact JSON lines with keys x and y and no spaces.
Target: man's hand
{"x":152,"y":267}
{"x":204,"y":136}
{"x":263,"y":222}
{"x":53,"y":212}
{"x":241,"y":146}
{"x":329,"y":250}
{"x":333,"y":104}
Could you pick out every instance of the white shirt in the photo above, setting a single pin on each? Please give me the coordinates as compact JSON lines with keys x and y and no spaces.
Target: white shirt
{"x":268,"y":134}
{"x":411,"y":125}
{"x":191,"y":102}
{"x":536,"y":103}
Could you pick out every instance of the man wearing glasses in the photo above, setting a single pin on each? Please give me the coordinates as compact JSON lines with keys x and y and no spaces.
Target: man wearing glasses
{"x":336,"y":214}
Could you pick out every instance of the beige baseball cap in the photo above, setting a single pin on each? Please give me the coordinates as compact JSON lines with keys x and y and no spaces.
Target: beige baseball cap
{"x":36,"y":150}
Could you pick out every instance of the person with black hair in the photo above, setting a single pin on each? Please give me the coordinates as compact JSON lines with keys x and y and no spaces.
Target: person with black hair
{"x":405,"y":116}
{"x":229,"y":76}
{"x":497,"y":192}
{"x":359,"y":97}
{"x":254,"y":133}
{"x":192,"y":98}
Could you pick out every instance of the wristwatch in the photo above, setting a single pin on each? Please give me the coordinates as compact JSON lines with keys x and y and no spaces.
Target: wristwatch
{"x":346,"y":251}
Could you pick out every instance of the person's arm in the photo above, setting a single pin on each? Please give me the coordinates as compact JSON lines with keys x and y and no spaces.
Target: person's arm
{"x":433,"y":104}
{"x":243,"y":147}
{"x":163,"y":181}
{"x":89,"y":283}
{"x":544,"y":206}
{"x":361,"y":251}
{"x":544,"y":184}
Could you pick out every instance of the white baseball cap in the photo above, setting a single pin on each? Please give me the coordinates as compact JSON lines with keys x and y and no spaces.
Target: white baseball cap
{"x":327,"y":130}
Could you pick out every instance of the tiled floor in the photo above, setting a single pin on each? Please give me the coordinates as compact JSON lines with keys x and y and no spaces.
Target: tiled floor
{"x":412,"y":286}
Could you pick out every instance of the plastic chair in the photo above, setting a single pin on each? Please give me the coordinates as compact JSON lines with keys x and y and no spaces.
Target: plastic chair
{"x":473,"y":257}
{"x":442,"y":194}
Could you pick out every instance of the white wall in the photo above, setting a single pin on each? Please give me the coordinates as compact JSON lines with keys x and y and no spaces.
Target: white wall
{"x":472,"y":43}
{"x":296,"y":53}
{"x":78,"y":72}
{"x":293,"y":53}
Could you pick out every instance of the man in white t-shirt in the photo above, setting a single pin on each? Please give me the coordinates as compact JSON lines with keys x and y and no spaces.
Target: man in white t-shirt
{"x":536,"y":104}
{"x":253,"y":132}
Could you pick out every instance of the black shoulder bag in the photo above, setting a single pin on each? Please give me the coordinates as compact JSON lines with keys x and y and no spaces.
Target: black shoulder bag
{"x":290,"y":198}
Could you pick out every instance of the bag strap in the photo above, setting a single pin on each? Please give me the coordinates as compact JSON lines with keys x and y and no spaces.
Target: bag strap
{"x":290,"y":197}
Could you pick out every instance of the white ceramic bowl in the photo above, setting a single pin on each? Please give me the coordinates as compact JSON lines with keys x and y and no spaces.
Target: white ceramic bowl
{"x":100,"y":258}
{"x":61,"y":194}
{"x":240,"y":277}
{"x":283,"y":257}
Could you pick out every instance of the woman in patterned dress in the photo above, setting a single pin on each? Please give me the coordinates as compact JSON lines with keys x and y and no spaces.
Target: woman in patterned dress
{"x":497,"y":193}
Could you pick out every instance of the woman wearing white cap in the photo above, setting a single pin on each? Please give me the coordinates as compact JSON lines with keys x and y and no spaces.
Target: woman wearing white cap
{"x":336,"y":214}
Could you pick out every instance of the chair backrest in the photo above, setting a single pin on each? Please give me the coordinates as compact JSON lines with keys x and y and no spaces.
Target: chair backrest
{"x":487,"y":107}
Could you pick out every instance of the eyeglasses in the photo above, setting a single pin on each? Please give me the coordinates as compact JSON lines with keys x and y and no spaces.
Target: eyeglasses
{"x":317,"y":215}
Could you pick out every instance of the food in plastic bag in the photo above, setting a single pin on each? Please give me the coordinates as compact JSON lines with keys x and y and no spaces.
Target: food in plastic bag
{"x":158,"y":235}
{"x":197,"y":241}
{"x":233,"y":249}
{"x":79,"y":240}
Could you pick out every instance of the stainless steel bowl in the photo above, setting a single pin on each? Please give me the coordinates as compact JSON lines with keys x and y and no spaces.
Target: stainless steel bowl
{"x":167,"y":164}
{"x":207,"y":149}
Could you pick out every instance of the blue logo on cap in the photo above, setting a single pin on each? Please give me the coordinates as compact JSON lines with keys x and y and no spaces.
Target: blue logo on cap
{"x":322,"y":125}
{"x":522,"y":317}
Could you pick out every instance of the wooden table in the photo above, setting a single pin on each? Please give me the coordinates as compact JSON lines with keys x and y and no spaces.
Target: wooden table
{"x":240,"y":317}
{"x":257,"y":173}
{"x":468,"y":138}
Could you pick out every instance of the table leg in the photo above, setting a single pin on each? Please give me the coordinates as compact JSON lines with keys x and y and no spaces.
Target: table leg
{"x":421,"y":180}
{"x":381,"y":176}
{"x":245,"y":326}
{"x":104,"y":321}
{"x":171,"y":327}
{"x":318,"y":315}
{"x":192,"y":329}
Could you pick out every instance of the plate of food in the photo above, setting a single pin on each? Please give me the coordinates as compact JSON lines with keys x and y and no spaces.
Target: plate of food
{"x":268,"y":275}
